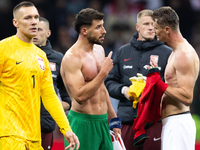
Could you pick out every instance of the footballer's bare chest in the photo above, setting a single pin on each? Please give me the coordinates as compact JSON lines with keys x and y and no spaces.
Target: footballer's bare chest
{"x":91,"y":65}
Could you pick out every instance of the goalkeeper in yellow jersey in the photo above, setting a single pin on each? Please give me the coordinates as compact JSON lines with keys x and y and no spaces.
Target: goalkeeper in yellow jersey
{"x":25,"y":76}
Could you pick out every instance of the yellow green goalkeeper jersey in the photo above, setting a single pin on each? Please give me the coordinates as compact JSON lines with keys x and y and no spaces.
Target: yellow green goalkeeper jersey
{"x":24,"y":75}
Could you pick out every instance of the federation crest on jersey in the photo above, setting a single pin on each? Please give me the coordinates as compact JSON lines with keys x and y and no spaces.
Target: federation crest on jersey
{"x":41,"y":63}
{"x":155,"y":56}
{"x":53,"y":66}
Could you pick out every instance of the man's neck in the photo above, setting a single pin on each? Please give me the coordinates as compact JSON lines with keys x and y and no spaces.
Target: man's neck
{"x":24,"y":38}
{"x":175,"y":39}
{"x":84,"y":44}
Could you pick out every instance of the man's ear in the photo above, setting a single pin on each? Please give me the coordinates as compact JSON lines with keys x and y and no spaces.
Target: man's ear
{"x":137,"y":27}
{"x":15,"y":23}
{"x":84,"y":30}
{"x":49,"y":33}
{"x":167,"y":29}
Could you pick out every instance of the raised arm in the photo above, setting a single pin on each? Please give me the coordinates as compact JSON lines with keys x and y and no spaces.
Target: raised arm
{"x":186,"y":66}
{"x":74,"y":80}
{"x":186,"y":74}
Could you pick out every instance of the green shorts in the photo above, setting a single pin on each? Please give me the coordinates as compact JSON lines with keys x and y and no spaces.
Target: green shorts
{"x":92,"y":131}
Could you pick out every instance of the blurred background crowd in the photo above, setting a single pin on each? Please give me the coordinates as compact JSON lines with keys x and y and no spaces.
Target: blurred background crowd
{"x":119,"y":22}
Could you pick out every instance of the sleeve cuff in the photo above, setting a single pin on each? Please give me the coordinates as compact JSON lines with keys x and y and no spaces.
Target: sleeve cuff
{"x":122,"y":90}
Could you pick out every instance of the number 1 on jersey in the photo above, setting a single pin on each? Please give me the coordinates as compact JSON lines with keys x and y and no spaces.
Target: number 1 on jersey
{"x":33,"y":76}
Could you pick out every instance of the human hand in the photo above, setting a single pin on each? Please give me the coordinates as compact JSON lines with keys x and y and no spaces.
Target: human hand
{"x":138,"y":84}
{"x":125,"y":92}
{"x":117,"y":131}
{"x":72,"y":139}
{"x":107,"y":64}
{"x":153,"y":62}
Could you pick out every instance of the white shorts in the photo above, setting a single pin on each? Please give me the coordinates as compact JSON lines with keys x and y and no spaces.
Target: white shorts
{"x":178,"y":132}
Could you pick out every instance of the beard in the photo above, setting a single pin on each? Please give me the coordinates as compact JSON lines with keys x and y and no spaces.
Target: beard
{"x":93,"y":39}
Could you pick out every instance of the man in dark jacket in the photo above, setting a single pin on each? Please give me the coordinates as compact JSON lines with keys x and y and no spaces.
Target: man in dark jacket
{"x":55,"y":58}
{"x":129,"y":60}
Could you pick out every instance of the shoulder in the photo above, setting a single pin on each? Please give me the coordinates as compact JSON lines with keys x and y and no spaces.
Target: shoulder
{"x":70,"y":63}
{"x":185,"y":50}
{"x":97,"y":46}
{"x":125,"y":47}
{"x":39,"y":51}
{"x":10,"y":39}
{"x":185,"y":56}
{"x":99,"y":50}
{"x":7,"y":46}
{"x":71,"y":59}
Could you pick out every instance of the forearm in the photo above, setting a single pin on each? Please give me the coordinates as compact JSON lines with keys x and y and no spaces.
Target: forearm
{"x":179,"y":95}
{"x":111,"y":113}
{"x":54,"y":107}
{"x":88,"y":90}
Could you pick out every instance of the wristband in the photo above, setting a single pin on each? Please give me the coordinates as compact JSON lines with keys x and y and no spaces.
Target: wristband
{"x":115,"y":123}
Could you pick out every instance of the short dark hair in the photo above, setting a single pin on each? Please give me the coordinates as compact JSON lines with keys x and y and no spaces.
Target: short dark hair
{"x":85,"y":17}
{"x":45,"y":20}
{"x":166,"y":16}
{"x":22,"y":4}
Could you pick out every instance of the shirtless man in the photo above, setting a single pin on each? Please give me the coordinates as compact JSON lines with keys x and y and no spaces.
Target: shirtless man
{"x":179,"y":130}
{"x":83,"y":69}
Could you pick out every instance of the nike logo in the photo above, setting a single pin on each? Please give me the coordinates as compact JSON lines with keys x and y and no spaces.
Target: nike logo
{"x":156,"y":139}
{"x":127,"y":59}
{"x":18,"y":62}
